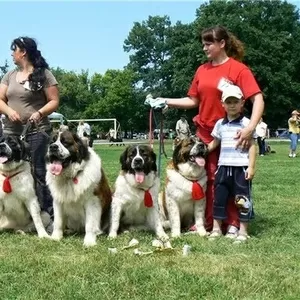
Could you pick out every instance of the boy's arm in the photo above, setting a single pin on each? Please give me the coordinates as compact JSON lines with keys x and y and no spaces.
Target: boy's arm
{"x":213,"y":144}
{"x":252,"y":159}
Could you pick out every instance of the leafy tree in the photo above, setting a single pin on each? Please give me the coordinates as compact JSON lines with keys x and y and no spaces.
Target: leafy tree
{"x":4,"y":69}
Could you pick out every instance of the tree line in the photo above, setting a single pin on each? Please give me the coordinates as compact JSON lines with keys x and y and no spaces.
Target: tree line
{"x":165,"y":56}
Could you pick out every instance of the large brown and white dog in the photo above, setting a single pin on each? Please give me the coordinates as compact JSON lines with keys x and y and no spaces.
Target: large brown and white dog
{"x":19,"y":206}
{"x":135,"y":200}
{"x":183,"y":200}
{"x":80,"y":190}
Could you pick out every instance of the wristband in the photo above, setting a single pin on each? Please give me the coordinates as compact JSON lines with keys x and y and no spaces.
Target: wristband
{"x":41,"y":115}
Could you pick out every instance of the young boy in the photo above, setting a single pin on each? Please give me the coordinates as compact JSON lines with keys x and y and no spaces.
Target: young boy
{"x":236,"y":167}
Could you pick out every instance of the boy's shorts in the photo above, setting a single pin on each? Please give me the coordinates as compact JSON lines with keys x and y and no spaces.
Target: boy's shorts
{"x":231,"y":182}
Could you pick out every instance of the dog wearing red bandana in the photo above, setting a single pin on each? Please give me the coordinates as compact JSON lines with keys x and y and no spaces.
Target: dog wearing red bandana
{"x":19,"y":206}
{"x":182,"y":203}
{"x":135,"y":200}
{"x":79,"y":187}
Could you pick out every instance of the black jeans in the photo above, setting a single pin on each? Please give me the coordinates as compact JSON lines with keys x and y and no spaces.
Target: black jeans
{"x":261,"y":145}
{"x":38,"y":144}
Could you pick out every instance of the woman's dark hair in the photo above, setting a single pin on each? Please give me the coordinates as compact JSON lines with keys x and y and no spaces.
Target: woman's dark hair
{"x":37,"y":77}
{"x":233,"y":46}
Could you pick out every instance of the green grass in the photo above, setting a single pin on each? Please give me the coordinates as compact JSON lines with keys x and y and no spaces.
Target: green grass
{"x":267,"y":267}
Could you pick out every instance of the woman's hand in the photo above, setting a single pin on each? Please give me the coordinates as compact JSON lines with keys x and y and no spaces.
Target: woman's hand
{"x":243,"y":137}
{"x":35,"y":117}
{"x":13,"y":115}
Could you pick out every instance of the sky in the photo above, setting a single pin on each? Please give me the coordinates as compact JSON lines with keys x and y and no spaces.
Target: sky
{"x":83,"y":35}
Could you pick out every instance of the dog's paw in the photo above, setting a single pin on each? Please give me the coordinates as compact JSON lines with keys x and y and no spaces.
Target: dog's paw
{"x":201,"y":231}
{"x":43,"y":235}
{"x":19,"y":231}
{"x":89,"y":241}
{"x":112,"y":235}
{"x":175,"y":234}
{"x":57,"y":235}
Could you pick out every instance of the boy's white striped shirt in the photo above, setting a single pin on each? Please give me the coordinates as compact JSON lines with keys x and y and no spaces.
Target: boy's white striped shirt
{"x":225,"y":131}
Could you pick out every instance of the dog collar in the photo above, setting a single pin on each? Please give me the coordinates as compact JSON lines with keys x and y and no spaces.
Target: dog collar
{"x":6,"y":183}
{"x":197,"y":191}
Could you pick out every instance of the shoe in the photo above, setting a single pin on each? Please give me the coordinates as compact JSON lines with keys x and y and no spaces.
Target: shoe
{"x":241,"y":238}
{"x":216,"y":233}
{"x":262,"y":155}
{"x":232,"y":232}
{"x":290,"y":155}
{"x":294,"y":155}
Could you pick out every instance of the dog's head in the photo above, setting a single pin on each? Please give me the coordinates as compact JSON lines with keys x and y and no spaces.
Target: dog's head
{"x":190,"y":150}
{"x":139,"y":160}
{"x":64,"y":149}
{"x":12,"y":149}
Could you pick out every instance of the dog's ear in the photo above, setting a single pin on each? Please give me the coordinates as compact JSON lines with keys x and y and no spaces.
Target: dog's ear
{"x":176,"y":154}
{"x":123,"y":159}
{"x":153,"y":159}
{"x":83,"y":151}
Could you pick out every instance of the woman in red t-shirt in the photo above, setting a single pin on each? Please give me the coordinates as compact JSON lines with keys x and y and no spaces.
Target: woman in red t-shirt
{"x":224,"y":52}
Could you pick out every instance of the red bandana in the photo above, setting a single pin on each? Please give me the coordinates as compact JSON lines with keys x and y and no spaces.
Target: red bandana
{"x":148,"y":202}
{"x":6,"y":183}
{"x":197,"y":191}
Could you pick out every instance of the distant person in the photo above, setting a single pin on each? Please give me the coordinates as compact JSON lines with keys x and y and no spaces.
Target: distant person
{"x":64,"y":126}
{"x":80,"y":129}
{"x":182,"y":128}
{"x":111,"y":134}
{"x":294,"y":122}
{"x":261,"y":132}
{"x":85,"y":139}
{"x":87,"y":128}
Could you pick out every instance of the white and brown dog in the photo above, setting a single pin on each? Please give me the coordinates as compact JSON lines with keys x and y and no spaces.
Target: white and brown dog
{"x":19,"y":206}
{"x":183,"y":200}
{"x":135,"y":200}
{"x":80,"y":190}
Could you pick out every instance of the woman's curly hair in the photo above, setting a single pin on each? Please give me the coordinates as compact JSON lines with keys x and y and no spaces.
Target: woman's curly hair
{"x":37,"y":77}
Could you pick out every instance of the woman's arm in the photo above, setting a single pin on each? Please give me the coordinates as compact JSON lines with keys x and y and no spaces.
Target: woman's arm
{"x":184,"y":103}
{"x":52,"y":96}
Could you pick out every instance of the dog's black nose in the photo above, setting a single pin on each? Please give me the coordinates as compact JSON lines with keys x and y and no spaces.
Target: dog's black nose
{"x":53,"y":147}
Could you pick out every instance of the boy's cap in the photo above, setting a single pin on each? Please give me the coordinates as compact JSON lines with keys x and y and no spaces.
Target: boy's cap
{"x":232,"y":91}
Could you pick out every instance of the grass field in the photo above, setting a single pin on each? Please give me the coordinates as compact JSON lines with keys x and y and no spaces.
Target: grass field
{"x":266,"y":267}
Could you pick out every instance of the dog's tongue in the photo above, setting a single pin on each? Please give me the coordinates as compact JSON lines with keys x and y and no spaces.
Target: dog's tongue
{"x":3,"y":159}
{"x":56,"y":168}
{"x":200,"y":161}
{"x":139,"y":177}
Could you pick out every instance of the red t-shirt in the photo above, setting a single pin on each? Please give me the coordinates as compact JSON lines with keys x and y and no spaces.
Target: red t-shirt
{"x":205,"y":88}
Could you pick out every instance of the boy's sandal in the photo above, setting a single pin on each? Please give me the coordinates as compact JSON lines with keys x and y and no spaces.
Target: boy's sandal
{"x":231,"y":235}
{"x":241,"y":238}
{"x":214,"y":234}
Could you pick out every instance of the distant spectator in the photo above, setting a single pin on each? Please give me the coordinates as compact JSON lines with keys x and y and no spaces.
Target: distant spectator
{"x":63,"y":126}
{"x":87,"y":128}
{"x":182,"y":128}
{"x":294,"y":122}
{"x":111,"y":134}
{"x":261,"y":131}
{"x":80,"y":129}
{"x":85,"y":139}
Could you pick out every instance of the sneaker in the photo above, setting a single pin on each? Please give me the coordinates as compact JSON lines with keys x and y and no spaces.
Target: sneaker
{"x":262,"y":155}
{"x":232,"y":232}
{"x":294,"y":155}
{"x":290,"y":155}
